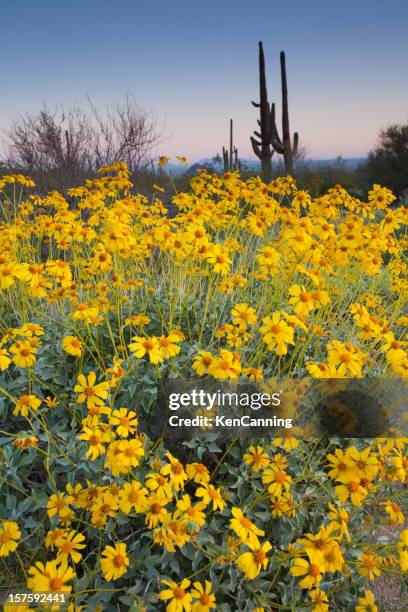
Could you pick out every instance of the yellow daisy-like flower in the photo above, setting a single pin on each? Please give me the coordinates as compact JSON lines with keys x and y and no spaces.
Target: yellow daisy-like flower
{"x":203,"y":598}
{"x":197,"y":472}
{"x":25,"y":404}
{"x":311,"y":572}
{"x":212,"y":495}
{"x":257,"y":458}
{"x":277,"y":334}
{"x":9,"y":534}
{"x":243,"y":316}
{"x":68,"y":545}
{"x":125,"y":421}
{"x":180,"y":600}
{"x":51,"y":576}
{"x":277,"y":479}
{"x":245,"y":529}
{"x":226,"y":366}
{"x":23,"y":354}
{"x":72,"y":345}
{"x":251,"y":563}
{"x":168,"y":345}
{"x":202,"y":362}
{"x":366,"y":603}
{"x":368,"y":565}
{"x":114,"y":561}
{"x":320,"y":600}
{"x":91,"y":393}
{"x":133,"y":497}
{"x":4,"y":359}
{"x":394,"y":512}
{"x":147,"y":346}
{"x":175,"y":471}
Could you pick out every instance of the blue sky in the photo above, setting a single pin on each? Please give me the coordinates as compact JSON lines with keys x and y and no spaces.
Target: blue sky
{"x":195,"y":64}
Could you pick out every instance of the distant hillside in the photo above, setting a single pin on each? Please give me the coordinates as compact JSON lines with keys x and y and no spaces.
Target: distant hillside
{"x":349,"y":163}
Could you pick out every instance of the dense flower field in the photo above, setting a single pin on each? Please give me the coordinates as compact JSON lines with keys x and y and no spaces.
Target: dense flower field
{"x":101,"y":294}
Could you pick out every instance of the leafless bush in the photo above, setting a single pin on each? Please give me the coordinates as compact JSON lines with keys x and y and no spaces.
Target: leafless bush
{"x":125,"y":132}
{"x":59,"y":148}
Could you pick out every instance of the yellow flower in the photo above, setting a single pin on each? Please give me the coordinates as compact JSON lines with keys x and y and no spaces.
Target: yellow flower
{"x":125,"y":421}
{"x":168,"y":345}
{"x":9,"y":534}
{"x":320,"y":600}
{"x":347,"y":357}
{"x":253,"y":373}
{"x":311,"y":572}
{"x":302,"y":300}
{"x":277,"y":334}
{"x":218,"y":257}
{"x":163,"y":160}
{"x":366,"y":603}
{"x":51,"y":576}
{"x":202,"y":362}
{"x":212,"y":495}
{"x":368,"y":566}
{"x":90,"y":393}
{"x":351,"y":488}
{"x":395,"y":354}
{"x":175,"y":471}
{"x":132,"y":496}
{"x":68,"y":545}
{"x":243,"y":316}
{"x":23,"y":354}
{"x":277,"y":479}
{"x":155,"y":510}
{"x":147,"y":346}
{"x":94,"y":436}
{"x":257,"y":458}
{"x":245,"y":528}
{"x":58,"y":504}
{"x":251,"y":563}
{"x":191,"y":512}
{"x":205,"y":599}
{"x":25,"y":404}
{"x":114,"y":561}
{"x":4,"y":359}
{"x":394,"y":512}
{"x":321,"y":370}
{"x":226,"y":366}
{"x":177,"y":594}
{"x":72,"y":345}
{"x":317,"y":546}
{"x":340,"y":519}
{"x":197,"y":472}
{"x":342,"y":464}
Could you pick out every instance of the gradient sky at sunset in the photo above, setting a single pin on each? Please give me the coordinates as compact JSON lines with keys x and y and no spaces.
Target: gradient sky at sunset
{"x":196,"y":65}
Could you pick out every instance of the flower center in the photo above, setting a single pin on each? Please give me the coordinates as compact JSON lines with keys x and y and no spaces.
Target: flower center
{"x":55,"y":584}
{"x":119,"y":561}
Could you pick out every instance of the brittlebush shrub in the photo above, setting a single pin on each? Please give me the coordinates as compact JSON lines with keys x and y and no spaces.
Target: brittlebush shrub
{"x":102,"y":295}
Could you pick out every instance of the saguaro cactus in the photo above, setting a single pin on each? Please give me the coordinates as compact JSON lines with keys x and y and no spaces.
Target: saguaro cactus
{"x":230,"y":157}
{"x":283,"y":145}
{"x":262,"y":144}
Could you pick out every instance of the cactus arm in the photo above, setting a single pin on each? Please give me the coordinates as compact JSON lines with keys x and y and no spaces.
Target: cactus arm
{"x":295,"y":143}
{"x":285,"y":103}
{"x":256,"y":147}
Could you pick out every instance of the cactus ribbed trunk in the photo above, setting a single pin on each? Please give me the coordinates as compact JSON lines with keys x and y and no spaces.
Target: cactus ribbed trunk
{"x":283,"y":145}
{"x":262,"y":144}
{"x":230,"y":157}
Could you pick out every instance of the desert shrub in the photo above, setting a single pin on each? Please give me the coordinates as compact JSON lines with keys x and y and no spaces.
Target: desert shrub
{"x":102,"y":300}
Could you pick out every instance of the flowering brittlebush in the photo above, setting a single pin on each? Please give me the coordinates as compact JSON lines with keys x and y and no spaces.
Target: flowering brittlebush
{"x":103,"y":297}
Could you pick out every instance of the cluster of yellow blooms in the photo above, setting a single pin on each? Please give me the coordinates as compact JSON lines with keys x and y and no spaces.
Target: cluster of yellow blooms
{"x":248,"y":280}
